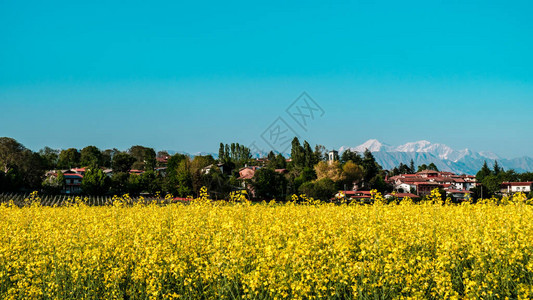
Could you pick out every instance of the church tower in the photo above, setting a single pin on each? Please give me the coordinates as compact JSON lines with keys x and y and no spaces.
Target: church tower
{"x":333,"y":155}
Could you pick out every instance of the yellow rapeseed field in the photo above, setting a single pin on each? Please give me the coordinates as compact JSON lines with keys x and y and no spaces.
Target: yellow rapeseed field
{"x":230,"y":250}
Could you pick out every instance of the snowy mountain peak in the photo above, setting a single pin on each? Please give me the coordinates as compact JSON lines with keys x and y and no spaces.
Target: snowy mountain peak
{"x":373,"y":145}
{"x":447,"y":159}
{"x":419,"y":146}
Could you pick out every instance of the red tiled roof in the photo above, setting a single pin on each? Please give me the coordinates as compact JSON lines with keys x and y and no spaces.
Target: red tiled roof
{"x":414,"y":179}
{"x":426,"y":183}
{"x":71,"y":176}
{"x":525,"y":183}
{"x":427,"y":172}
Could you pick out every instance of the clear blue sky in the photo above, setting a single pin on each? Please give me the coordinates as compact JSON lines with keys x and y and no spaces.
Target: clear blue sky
{"x":187,"y":75}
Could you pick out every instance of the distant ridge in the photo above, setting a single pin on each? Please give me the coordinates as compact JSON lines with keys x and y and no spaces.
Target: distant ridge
{"x":444,"y":157}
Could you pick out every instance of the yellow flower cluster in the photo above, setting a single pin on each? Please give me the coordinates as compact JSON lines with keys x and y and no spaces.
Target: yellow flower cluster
{"x":300,"y":250}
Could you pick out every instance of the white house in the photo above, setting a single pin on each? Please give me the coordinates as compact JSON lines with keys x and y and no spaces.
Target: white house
{"x":515,"y":187}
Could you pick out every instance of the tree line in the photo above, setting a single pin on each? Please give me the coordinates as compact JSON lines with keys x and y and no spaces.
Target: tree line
{"x":307,"y":171}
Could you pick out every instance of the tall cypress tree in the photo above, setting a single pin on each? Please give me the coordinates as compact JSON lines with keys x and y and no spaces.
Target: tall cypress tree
{"x":484,"y":172}
{"x":497,"y":168}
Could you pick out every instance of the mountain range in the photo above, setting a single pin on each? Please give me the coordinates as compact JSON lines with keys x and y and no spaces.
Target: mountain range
{"x":444,"y":157}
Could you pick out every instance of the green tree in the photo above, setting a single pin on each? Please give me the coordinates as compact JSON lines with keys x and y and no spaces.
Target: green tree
{"x":32,"y":169}
{"x":95,"y":182}
{"x":307,"y":174}
{"x":323,"y":189}
{"x":309,"y":156}
{"x":348,"y":155}
{"x":91,"y":156}
{"x":351,"y":173}
{"x":107,"y":157}
{"x":268,"y":184}
{"x":483,"y":172}
{"x":69,"y":158}
{"x":119,"y":182}
{"x":497,"y":168}
{"x":201,"y":161}
{"x":370,"y":166}
{"x":433,"y":167}
{"x":122,"y":162}
{"x":11,"y":153}
{"x":50,"y":157}
{"x":297,"y":154}
{"x":320,"y":153}
{"x":145,"y":158}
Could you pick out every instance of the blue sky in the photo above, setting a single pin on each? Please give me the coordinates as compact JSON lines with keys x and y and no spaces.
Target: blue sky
{"x":185,"y":76}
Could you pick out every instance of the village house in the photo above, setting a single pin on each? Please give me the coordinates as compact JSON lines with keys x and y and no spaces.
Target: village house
{"x":72,"y":183}
{"x":508,"y":188}
{"x":422,"y":183}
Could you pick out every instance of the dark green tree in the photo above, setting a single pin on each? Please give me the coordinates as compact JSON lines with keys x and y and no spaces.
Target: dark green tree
{"x":69,"y":158}
{"x":107,"y":157}
{"x":145,"y":158}
{"x":91,"y":156}
{"x":297,"y":154}
{"x":497,"y":168}
{"x":50,"y":157}
{"x":320,"y":153}
{"x":433,"y":167}
{"x":483,"y":172}
{"x":11,"y":153}
{"x":323,"y":189}
{"x":122,"y":162}
{"x":95,"y":182}
{"x":32,"y":169}
{"x":268,"y":184}
{"x":370,"y":166}
{"x":348,"y":155}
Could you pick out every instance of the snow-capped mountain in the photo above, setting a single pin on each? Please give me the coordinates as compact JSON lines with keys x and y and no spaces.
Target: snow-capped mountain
{"x":372,"y":145}
{"x":446,"y":158}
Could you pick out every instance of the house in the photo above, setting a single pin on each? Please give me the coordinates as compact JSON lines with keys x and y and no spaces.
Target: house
{"x":72,"y":183}
{"x":425,"y":188}
{"x":515,"y":187}
{"x":247,"y":172}
{"x":429,"y":179}
{"x":428,"y":174}
{"x":208,"y":169}
{"x":80,"y":171}
{"x":162,"y":161}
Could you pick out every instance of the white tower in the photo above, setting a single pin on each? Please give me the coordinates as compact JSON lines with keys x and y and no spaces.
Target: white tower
{"x":333,"y":155}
